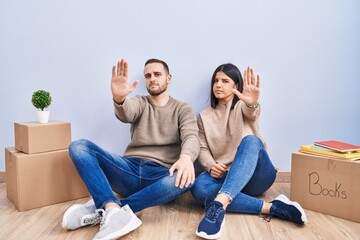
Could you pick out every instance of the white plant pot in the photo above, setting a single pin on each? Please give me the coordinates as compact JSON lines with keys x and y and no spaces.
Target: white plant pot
{"x":43,"y":116}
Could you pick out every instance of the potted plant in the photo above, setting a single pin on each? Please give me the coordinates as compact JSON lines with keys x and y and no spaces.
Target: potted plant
{"x":41,"y":99}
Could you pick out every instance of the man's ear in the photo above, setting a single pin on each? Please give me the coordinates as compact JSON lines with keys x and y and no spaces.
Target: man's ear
{"x":169,"y":77}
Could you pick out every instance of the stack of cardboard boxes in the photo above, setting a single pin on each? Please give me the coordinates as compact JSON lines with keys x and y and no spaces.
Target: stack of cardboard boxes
{"x":39,"y":171}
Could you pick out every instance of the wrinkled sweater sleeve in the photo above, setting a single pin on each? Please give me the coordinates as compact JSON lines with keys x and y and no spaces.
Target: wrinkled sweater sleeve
{"x":130,"y":109}
{"x":250,"y":113}
{"x":206,"y":159}
{"x":189,"y":132}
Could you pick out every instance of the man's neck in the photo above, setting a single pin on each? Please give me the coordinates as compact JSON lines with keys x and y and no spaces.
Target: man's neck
{"x":160,"y":100}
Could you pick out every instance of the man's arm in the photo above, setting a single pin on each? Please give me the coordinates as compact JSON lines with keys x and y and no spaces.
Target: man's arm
{"x":130,"y":109}
{"x":189,"y":132}
{"x":206,"y":159}
{"x":190,"y":148}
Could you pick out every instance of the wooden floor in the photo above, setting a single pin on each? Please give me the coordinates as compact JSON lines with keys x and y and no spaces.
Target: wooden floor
{"x":177,"y":220}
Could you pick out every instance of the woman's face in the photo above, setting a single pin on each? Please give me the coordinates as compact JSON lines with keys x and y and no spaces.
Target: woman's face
{"x":222,"y":87}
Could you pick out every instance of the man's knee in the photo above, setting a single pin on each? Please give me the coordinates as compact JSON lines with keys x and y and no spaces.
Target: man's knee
{"x":80,"y":145}
{"x":168,"y":185}
{"x":78,"y":148}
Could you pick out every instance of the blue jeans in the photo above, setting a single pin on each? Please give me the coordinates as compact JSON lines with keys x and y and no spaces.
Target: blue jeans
{"x":250,"y":175}
{"x":142,"y":183}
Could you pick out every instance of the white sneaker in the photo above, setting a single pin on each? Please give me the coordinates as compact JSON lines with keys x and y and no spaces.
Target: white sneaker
{"x":80,"y":215}
{"x":117,"y":222}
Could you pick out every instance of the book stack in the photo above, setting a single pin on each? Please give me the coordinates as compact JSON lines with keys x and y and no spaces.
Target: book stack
{"x":333,"y":149}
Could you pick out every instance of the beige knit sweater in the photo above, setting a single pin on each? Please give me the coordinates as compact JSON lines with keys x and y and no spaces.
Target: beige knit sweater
{"x":159,"y":133}
{"x":221,"y":131}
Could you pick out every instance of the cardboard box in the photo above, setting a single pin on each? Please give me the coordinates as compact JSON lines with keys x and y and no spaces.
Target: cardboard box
{"x":41,"y":179}
{"x":34,"y":137}
{"x":326,"y":185}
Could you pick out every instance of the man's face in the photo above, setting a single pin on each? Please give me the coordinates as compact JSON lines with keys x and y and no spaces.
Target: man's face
{"x":157,"y":79}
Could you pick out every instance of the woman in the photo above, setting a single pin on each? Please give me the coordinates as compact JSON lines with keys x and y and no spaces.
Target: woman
{"x":234,"y":155}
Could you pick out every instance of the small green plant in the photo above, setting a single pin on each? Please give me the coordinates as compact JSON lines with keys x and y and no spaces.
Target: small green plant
{"x":41,"y":99}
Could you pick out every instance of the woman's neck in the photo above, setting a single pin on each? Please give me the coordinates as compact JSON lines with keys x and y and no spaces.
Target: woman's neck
{"x":225,"y":101}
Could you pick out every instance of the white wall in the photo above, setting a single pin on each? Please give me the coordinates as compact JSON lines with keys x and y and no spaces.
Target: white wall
{"x":307,"y":52}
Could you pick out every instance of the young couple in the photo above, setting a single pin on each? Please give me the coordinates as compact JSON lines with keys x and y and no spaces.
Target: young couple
{"x":157,"y":165}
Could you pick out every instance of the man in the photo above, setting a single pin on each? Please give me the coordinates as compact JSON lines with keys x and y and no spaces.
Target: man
{"x":157,"y":165}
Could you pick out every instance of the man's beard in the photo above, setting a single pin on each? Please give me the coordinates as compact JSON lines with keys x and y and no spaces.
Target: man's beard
{"x":158,"y":91}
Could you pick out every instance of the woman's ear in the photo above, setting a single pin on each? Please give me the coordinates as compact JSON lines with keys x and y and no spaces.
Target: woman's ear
{"x":236,"y":86}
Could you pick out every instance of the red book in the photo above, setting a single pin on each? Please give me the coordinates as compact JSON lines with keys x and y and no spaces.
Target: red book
{"x":338,"y":146}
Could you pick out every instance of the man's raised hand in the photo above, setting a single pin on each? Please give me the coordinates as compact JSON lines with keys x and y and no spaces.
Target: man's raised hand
{"x":120,"y":86}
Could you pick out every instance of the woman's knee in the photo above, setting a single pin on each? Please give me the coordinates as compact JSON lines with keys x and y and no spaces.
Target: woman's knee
{"x":198,"y":193}
{"x":252,"y":139}
{"x":203,"y":189}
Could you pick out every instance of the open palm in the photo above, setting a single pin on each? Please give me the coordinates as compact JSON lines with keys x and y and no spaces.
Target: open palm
{"x":120,"y":85}
{"x":251,"y":89}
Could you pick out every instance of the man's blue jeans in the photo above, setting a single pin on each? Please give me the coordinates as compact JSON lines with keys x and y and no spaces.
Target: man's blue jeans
{"x":142,"y":183}
{"x":250,"y":175}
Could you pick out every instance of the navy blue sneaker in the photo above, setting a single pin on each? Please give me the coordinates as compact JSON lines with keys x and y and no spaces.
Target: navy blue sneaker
{"x":211,"y":225}
{"x":288,"y":210}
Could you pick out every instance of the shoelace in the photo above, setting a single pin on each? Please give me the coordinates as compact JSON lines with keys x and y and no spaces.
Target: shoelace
{"x":267,"y":218}
{"x":282,"y":214}
{"x":103,"y":218}
{"x":95,"y":217}
{"x":212,"y":214}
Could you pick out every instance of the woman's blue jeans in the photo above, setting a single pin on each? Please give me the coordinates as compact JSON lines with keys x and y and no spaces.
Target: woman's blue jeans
{"x":142,"y":183}
{"x":251,"y":174}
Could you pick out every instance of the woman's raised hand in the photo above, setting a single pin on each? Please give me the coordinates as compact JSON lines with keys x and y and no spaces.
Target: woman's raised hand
{"x":251,"y":90}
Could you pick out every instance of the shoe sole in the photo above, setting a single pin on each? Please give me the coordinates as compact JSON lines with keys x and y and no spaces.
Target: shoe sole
{"x":64,"y":223}
{"x":284,"y":199}
{"x":213,"y":236}
{"x":131,"y":226}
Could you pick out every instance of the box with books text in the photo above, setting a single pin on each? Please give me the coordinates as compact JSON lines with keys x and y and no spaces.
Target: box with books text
{"x":326,"y":185}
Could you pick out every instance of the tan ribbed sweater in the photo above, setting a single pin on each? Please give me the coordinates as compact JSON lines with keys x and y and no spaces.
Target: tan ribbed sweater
{"x":159,"y":133}
{"x":221,"y":131}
